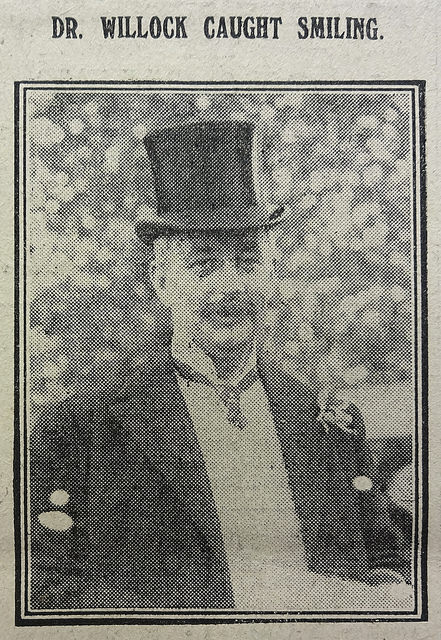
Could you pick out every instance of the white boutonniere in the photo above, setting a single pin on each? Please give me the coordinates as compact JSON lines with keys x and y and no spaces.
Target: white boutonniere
{"x":334,"y":413}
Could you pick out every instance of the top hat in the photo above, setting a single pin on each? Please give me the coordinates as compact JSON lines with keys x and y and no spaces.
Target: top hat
{"x":203,"y":176}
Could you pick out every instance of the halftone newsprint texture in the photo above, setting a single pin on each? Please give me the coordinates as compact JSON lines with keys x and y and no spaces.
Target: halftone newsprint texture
{"x":221,"y":394}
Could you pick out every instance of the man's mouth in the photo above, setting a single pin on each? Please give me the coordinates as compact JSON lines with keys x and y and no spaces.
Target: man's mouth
{"x":228,"y":314}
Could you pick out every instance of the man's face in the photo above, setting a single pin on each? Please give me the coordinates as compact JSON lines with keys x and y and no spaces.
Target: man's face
{"x":216,"y":286}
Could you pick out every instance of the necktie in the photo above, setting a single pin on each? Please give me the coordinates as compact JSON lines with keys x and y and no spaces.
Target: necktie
{"x":229,"y":394}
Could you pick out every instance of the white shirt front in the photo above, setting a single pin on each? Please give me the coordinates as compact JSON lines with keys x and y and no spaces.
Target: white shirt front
{"x":260,"y":526}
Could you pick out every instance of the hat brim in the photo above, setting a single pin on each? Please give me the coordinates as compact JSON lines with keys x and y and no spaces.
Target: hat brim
{"x":257,"y":217}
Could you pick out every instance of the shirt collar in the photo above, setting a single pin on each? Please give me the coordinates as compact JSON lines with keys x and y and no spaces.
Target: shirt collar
{"x":192,"y":355}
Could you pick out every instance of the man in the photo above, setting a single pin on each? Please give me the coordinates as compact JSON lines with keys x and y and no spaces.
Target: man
{"x":212,"y":479}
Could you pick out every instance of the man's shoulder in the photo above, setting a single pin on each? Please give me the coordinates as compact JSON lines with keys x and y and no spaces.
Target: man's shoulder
{"x":91,"y":402}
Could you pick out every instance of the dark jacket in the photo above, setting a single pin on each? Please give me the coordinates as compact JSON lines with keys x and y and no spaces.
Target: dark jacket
{"x":146,"y":531}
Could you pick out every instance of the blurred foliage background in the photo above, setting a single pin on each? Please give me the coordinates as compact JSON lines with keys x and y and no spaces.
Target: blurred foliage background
{"x":340,"y":161}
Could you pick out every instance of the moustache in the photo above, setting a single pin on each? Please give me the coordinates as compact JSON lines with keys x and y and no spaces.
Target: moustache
{"x":229,"y":306}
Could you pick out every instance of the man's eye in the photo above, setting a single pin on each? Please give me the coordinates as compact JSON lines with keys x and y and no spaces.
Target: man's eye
{"x":248,"y":259}
{"x":200,"y":262}
{"x":203,"y":266}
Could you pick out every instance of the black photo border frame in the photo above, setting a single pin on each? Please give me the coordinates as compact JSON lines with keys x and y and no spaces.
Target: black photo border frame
{"x":25,"y":617}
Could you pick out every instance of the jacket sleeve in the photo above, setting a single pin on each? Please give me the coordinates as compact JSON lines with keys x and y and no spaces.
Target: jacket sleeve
{"x":58,"y":487}
{"x":388,"y":559}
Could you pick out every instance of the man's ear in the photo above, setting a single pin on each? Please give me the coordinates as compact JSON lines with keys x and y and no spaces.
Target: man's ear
{"x":158,"y":280}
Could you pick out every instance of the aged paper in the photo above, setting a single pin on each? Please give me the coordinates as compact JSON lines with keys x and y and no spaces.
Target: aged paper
{"x":218,"y":255}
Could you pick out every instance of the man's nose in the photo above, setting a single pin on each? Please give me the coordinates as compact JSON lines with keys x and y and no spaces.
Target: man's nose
{"x":229,"y":279}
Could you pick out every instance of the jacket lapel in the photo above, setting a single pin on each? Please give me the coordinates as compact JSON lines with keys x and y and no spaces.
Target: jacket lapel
{"x":322,"y":492}
{"x":304,"y":451}
{"x":157,"y":421}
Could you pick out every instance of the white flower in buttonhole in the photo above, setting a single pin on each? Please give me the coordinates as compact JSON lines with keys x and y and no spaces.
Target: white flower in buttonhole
{"x":372,"y":174}
{"x":397,"y":293}
{"x":139,"y":131}
{"x":390,"y":114}
{"x":45,"y":132}
{"x":334,"y":415}
{"x":76,"y":126}
{"x":203,"y":102}
{"x":367,"y":122}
